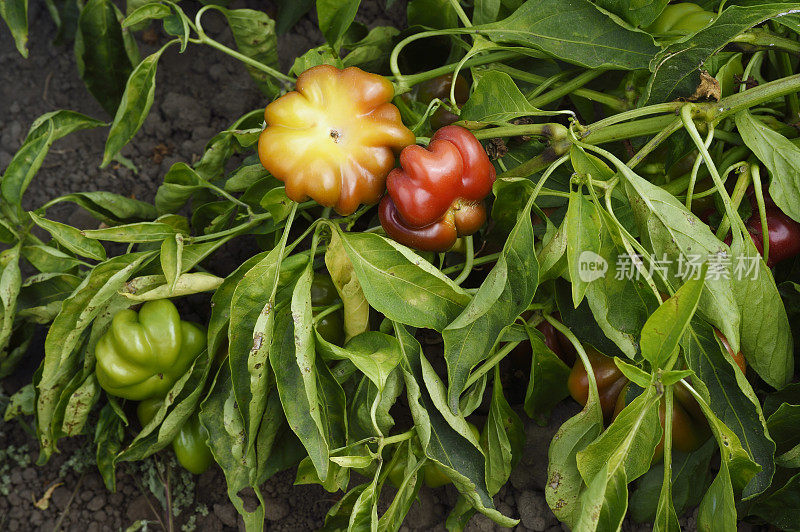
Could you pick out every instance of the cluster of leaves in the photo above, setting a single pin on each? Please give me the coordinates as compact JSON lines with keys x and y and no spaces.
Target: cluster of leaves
{"x":551,"y":81}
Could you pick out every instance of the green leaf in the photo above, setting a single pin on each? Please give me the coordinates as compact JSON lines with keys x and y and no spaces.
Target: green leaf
{"x":223,"y":421}
{"x":638,"y":13}
{"x":108,"y":436}
{"x":605,"y":500}
{"x":180,"y":183}
{"x":15,"y":13}
{"x":436,"y":14}
{"x":547,"y":385}
{"x":584,"y":239}
{"x":407,"y":492}
{"x":628,"y":443}
{"x":71,"y":238}
{"x":718,"y":509}
{"x":504,"y":294}
{"x":676,"y":69}
{"x":44,"y":131}
{"x":564,"y":481}
{"x":322,"y":55}
{"x":177,"y":407}
{"x":676,"y":235}
{"x":780,"y":156}
{"x":781,"y":506}
{"x":49,"y":259}
{"x":372,"y":52}
{"x":145,"y":13}
{"x":254,"y":33}
{"x":574,"y":31}
{"x":452,"y":450}
{"x":295,"y":375}
{"x":732,"y":400}
{"x":80,"y":404}
{"x":335,"y":16}
{"x":486,"y":11}
{"x":402,"y":285}
{"x":10,"y":283}
{"x":110,"y":208}
{"x":22,"y":403}
{"x":766,"y":336}
{"x":136,"y":232}
{"x":253,"y":309}
{"x":105,"y":53}
{"x":290,"y":12}
{"x":633,"y":373}
{"x":665,"y":327}
{"x":134,"y":105}
{"x":505,"y":438}
{"x":689,"y":480}
{"x":495,"y":99}
{"x":171,"y":255}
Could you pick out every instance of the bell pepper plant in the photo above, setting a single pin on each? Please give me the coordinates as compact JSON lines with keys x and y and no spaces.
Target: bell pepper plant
{"x":467,"y":217}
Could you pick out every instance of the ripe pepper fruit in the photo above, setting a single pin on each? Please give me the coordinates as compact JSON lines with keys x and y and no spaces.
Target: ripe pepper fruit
{"x":610,"y":381}
{"x":334,"y":138}
{"x":143,"y":354}
{"x":439,"y":87}
{"x":324,"y":294}
{"x":680,"y":19}
{"x":433,"y":475}
{"x":689,"y":426}
{"x":437,"y":194}
{"x":189,"y":445}
{"x":783,"y":234}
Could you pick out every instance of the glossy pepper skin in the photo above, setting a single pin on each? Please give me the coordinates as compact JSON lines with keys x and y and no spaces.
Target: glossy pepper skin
{"x":437,"y":193}
{"x":680,"y":19}
{"x":143,"y":354}
{"x":189,"y":445}
{"x":323,"y":294}
{"x":689,"y":425}
{"x":439,"y":87}
{"x":610,"y":381}
{"x":784,"y":235}
{"x":334,"y":138}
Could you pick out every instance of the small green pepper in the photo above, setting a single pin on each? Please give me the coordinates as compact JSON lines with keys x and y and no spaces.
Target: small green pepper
{"x":189,"y":445}
{"x":324,"y":294}
{"x":143,"y":354}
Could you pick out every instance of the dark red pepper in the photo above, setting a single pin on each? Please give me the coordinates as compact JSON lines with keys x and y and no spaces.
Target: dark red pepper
{"x":437,"y":193}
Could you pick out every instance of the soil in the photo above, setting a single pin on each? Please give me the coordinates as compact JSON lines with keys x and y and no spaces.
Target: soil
{"x":198,"y":93}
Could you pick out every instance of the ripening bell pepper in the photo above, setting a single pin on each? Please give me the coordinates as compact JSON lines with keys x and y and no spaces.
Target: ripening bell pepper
{"x":189,"y":445}
{"x":439,"y":87}
{"x":143,"y":354}
{"x":437,"y":194}
{"x":689,"y":426}
{"x":610,"y":381}
{"x":334,"y":138}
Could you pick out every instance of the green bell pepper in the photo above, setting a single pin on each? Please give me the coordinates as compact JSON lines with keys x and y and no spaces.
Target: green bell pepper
{"x":142,"y":355}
